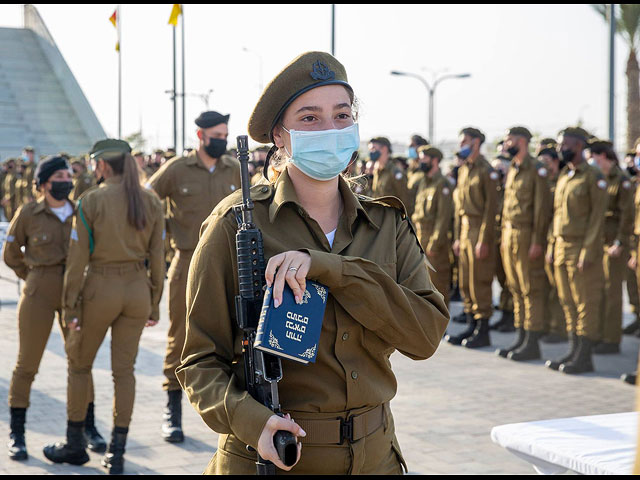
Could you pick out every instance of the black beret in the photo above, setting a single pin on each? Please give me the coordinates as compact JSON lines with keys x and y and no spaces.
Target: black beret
{"x":48,"y":167}
{"x":548,"y":150}
{"x":598,"y":146}
{"x":521,"y":131}
{"x":211,"y":119}
{"x":474,"y":133}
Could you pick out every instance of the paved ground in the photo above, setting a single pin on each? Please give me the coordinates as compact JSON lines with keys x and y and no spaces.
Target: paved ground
{"x":444,"y":410}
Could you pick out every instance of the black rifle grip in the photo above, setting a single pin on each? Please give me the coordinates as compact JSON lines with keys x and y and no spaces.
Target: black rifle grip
{"x":286,"y":446}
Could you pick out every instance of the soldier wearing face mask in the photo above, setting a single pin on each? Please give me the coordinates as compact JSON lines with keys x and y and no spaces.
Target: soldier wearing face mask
{"x":475,"y":215}
{"x":388,"y":179}
{"x":193,"y":186}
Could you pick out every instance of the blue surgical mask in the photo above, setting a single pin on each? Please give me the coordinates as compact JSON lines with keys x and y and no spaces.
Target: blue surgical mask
{"x":464,"y":152}
{"x":374,"y":155}
{"x":412,"y":152}
{"x":636,"y":160}
{"x":323,"y":154}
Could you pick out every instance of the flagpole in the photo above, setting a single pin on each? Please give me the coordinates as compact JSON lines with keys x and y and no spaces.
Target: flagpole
{"x":175,"y":106}
{"x":184,"y":88}
{"x":119,"y":20}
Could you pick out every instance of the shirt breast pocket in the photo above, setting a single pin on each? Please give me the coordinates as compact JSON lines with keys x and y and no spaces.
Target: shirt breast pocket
{"x":40,"y":239}
{"x":189,"y":195}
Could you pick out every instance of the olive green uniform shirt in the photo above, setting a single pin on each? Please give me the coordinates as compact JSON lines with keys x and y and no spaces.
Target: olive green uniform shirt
{"x":433,"y":212}
{"x":619,"y":221}
{"x":193,"y":192}
{"x":527,"y":199}
{"x":580,"y":202}
{"x":44,"y":236}
{"x":391,"y":181}
{"x":476,"y":195}
{"x":116,"y":241}
{"x":381,"y":299}
{"x":81,"y":184}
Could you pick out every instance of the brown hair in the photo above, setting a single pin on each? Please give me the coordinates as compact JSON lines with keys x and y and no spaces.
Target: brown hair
{"x":126,"y":166}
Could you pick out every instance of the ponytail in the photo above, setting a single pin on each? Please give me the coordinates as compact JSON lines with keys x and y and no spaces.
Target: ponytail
{"x":128,"y":168}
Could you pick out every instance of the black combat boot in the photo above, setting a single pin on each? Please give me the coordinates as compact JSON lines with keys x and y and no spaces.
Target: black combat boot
{"x":457,"y":339}
{"x":529,"y":350}
{"x":461,"y":318}
{"x":520,"y":334}
{"x":553,"y":337}
{"x":581,"y":361}
{"x":505,"y":324}
{"x":629,"y":378}
{"x":632,"y":328}
{"x":172,"y":426}
{"x":93,"y":439}
{"x":573,"y":346}
{"x":72,"y":451}
{"x":114,"y":459}
{"x":606,"y":348}
{"x":480,"y":337}
{"x":17,"y":444}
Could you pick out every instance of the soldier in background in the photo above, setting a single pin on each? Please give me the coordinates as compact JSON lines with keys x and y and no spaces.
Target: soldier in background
{"x":82,"y":180}
{"x":388,"y":179}
{"x":474,"y":234}
{"x":29,"y":162}
{"x":501,"y":165}
{"x":576,"y":251}
{"x":618,"y":228}
{"x":9,"y":189}
{"x":555,"y":326}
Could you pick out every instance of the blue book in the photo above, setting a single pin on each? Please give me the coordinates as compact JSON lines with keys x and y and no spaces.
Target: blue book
{"x":292,"y":331}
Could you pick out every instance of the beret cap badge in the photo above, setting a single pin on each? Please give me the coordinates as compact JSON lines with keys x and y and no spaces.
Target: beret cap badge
{"x":321,"y":72}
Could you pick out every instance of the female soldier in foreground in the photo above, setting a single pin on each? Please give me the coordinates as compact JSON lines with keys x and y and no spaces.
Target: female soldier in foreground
{"x":118,"y":226}
{"x":380,"y":296}
{"x":42,"y":227}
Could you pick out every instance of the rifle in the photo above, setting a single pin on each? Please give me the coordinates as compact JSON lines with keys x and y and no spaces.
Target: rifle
{"x":262,"y":371}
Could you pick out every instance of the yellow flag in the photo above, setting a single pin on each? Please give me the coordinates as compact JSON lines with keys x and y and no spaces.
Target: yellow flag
{"x":176,"y":11}
{"x":114,"y":18}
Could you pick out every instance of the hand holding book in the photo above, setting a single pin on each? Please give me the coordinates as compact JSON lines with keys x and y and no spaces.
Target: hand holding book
{"x":292,"y":267}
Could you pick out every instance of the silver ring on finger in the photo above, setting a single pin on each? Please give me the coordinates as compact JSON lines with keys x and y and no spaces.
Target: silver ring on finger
{"x":293,"y":269}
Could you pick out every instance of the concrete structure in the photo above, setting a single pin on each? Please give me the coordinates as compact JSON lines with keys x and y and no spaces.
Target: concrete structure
{"x":41,"y":104}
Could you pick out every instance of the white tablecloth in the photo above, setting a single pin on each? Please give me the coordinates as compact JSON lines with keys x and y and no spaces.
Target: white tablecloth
{"x":594,"y":445}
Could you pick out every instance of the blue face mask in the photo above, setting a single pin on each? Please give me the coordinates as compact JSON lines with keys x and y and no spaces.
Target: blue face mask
{"x":374,"y":155}
{"x":412,"y":152}
{"x":464,"y":152}
{"x":323,"y":154}
{"x":636,"y":160}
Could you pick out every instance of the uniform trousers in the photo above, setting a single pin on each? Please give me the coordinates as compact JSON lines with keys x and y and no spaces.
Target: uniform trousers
{"x":580,"y":293}
{"x":178,"y":272}
{"x":40,"y":300}
{"x":116,"y":297}
{"x":476,"y":275}
{"x":615,"y":269}
{"x":553,"y":313}
{"x":525,"y":278}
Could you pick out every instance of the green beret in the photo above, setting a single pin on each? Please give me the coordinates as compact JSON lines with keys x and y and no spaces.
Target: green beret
{"x":28,"y":148}
{"x":473,"y":132}
{"x":158,"y":150}
{"x":308,"y":71}
{"x":137,"y":152}
{"x":576,"y":132}
{"x":110,"y":147}
{"x":521,"y":131}
{"x":430,"y":151}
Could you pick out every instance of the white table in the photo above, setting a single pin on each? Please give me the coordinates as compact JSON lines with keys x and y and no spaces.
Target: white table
{"x":594,"y":445}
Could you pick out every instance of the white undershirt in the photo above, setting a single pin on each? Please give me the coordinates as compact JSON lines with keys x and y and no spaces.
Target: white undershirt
{"x":63,"y":212}
{"x":212,"y":169}
{"x":331,"y":236}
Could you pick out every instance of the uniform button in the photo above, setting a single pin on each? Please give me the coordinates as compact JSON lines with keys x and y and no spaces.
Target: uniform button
{"x":345,"y":336}
{"x":354,"y":375}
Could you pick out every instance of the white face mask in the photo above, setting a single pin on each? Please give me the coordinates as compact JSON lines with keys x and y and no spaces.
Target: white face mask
{"x":323,"y":154}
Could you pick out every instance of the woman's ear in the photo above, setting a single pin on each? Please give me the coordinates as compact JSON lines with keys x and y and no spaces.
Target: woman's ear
{"x":277,"y":136}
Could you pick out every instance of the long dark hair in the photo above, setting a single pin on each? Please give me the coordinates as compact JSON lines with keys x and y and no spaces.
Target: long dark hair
{"x":126,"y":166}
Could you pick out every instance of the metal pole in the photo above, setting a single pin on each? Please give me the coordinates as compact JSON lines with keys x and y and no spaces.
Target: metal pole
{"x":119,"y":21}
{"x":612,"y":33}
{"x":333,"y":29}
{"x":184,"y":88}
{"x":175,"y":106}
{"x":431,"y":94}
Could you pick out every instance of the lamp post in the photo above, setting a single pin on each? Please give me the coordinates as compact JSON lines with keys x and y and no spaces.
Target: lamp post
{"x":431,"y":91}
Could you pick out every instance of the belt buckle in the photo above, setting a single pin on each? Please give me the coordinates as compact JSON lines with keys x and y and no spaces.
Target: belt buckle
{"x":346,"y":430}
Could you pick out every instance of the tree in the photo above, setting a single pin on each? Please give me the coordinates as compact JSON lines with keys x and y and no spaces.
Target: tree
{"x":136,"y":140}
{"x":628,"y":26}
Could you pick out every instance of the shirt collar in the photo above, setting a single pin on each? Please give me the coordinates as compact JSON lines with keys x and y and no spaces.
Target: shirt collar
{"x":286,"y":193}
{"x":194,"y":159}
{"x":41,"y":206}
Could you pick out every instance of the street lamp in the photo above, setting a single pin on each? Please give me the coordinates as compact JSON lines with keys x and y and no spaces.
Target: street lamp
{"x":431,"y":91}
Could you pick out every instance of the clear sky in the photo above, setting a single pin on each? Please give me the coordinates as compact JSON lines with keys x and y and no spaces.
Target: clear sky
{"x":542,"y":66}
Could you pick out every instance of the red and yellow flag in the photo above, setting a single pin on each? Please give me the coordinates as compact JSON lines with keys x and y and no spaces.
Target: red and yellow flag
{"x":114,"y":20}
{"x":176,"y":11}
